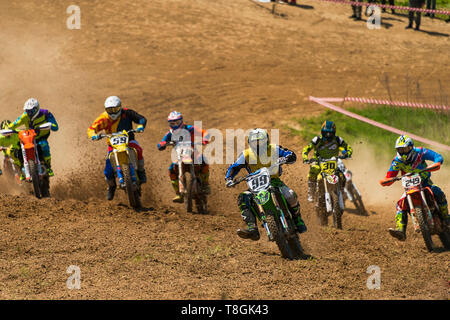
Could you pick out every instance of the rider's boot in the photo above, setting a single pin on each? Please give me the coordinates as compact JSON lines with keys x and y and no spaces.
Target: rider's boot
{"x":179,"y":197}
{"x":206,"y":189}
{"x":296,"y":215}
{"x":111,"y":188}
{"x":311,"y":190}
{"x":48,"y":164}
{"x":252,"y":230}
{"x":400,"y":230}
{"x":141,"y":172}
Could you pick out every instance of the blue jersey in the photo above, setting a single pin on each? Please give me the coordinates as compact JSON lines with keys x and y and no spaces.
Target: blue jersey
{"x":422,"y":154}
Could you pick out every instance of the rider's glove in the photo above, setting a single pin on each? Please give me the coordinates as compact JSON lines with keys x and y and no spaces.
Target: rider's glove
{"x":140,"y":128}
{"x":229,"y":183}
{"x":95,"y":137}
{"x":162,"y":145}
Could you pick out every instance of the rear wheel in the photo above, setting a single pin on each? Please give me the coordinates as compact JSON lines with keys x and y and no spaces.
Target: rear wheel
{"x":279,"y":238}
{"x":45,"y":186}
{"x":132,"y":192}
{"x":445,"y":235}
{"x":35,"y":178}
{"x":424,"y":229}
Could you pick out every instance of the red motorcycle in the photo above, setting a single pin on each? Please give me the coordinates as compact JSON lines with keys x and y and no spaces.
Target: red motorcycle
{"x":423,"y":208}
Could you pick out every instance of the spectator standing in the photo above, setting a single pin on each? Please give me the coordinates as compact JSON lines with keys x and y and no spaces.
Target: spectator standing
{"x":431,"y":4}
{"x":415,"y":4}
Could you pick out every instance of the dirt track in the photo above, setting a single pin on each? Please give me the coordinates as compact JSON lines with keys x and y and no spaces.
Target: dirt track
{"x":230,"y":64}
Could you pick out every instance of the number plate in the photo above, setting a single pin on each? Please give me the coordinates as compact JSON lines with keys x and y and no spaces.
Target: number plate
{"x":411,"y":182}
{"x":328,"y":166}
{"x":260,"y":181}
{"x":118,"y":140}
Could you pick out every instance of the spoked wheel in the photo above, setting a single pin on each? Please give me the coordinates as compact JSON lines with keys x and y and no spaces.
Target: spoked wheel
{"x":35,"y":178}
{"x":188,"y":196}
{"x":424,"y":229}
{"x":280,"y":238}
{"x":131,"y":189}
{"x":337,"y":213}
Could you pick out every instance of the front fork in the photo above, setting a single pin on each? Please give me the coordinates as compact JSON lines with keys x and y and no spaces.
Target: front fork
{"x":263,"y":218}
{"x":120,"y":172}
{"x":26,"y":165}
{"x":329,"y":205}
{"x":425,"y":206}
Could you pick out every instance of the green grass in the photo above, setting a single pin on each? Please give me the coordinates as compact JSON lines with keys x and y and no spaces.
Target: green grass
{"x":426,"y":123}
{"x":440,"y":5}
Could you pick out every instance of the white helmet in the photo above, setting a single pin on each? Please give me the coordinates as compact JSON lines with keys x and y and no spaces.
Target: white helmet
{"x":113,"y":106}
{"x":258,"y":138}
{"x":31,"y":107}
{"x":405,"y":149}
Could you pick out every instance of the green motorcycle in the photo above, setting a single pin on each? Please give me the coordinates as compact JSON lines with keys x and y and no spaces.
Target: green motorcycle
{"x":273,"y":211}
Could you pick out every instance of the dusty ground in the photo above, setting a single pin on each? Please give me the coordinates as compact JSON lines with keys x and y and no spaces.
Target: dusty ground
{"x":230,"y":64}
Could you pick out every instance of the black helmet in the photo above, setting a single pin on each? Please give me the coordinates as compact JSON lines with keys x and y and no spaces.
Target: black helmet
{"x":328,"y":130}
{"x":5,"y":124}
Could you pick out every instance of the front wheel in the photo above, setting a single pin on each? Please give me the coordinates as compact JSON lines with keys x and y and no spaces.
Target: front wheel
{"x":188,"y":195}
{"x":35,"y":178}
{"x":280,"y":238}
{"x":424,"y":229}
{"x":337,"y":212}
{"x":130,"y":188}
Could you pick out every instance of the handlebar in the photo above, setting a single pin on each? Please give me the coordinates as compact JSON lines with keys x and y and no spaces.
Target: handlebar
{"x":434,"y":167}
{"x":104,"y":135}
{"x":280,"y":162}
{"x":319,"y":159}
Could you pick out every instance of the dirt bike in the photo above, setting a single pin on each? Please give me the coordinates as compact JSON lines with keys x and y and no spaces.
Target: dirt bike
{"x":329,"y":199}
{"x":273,"y":211}
{"x":190,"y":184}
{"x":423,"y":208}
{"x":34,"y":170}
{"x":351,"y":192}
{"x":124,"y":161}
{"x":10,"y":170}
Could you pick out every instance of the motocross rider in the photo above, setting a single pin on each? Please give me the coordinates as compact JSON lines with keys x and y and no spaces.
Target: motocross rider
{"x":32,"y":118}
{"x":263,"y":154}
{"x":114,"y":119}
{"x":326,"y":145}
{"x":176,"y":132}
{"x":412,"y":159}
{"x":11,"y":144}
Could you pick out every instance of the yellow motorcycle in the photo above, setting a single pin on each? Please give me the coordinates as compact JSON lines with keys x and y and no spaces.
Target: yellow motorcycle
{"x":329,"y":200}
{"x":124,"y":162}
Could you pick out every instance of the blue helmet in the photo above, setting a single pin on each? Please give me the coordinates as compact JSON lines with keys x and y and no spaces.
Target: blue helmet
{"x":328,"y":130}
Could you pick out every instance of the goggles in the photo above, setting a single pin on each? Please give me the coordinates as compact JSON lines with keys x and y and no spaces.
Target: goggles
{"x":175,"y":123}
{"x":113,"y":110}
{"x":31,"y":112}
{"x":404,"y":150}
